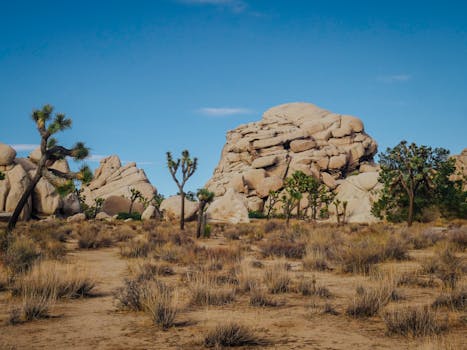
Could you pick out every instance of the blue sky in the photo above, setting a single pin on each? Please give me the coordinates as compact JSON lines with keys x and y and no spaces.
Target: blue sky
{"x":140,"y":78}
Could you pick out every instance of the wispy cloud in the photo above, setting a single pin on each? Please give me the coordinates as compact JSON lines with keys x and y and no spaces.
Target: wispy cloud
{"x":396,"y":78}
{"x":223,"y":111}
{"x":233,"y":5}
{"x":22,"y":147}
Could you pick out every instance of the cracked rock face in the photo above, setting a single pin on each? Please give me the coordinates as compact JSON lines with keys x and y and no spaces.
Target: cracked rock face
{"x":113,"y":179}
{"x":258,"y":156}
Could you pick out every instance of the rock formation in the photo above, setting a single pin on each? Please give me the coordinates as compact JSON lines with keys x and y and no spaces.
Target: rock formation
{"x":171,"y":208}
{"x":113,"y":179}
{"x":258,"y":156}
{"x":230,"y":208}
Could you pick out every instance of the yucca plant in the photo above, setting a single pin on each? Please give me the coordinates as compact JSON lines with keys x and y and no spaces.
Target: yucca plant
{"x":51,"y":151}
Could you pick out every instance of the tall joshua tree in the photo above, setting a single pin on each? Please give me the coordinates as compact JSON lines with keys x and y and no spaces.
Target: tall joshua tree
{"x":204,"y":196}
{"x":51,"y":152}
{"x":188,"y":167}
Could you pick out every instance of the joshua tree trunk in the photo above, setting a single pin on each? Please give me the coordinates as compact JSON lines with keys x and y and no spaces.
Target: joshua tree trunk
{"x":200,"y":227}
{"x":27,"y":193}
{"x":182,"y":211}
{"x":411,"y":205}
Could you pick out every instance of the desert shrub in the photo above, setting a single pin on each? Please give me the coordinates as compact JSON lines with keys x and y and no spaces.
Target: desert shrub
{"x":259,"y":297}
{"x":414,"y":321}
{"x":315,"y":260}
{"x":455,"y":299}
{"x":93,"y":237}
{"x":277,"y":278}
{"x":123,"y":234}
{"x":159,"y":302}
{"x":129,"y":297}
{"x":413,"y":278}
{"x":245,"y":277}
{"x":219,"y":254}
{"x":446,"y":266}
{"x":35,"y":306}
{"x":147,"y":270}
{"x":256,"y":215}
{"x":309,"y":286}
{"x":230,"y":335}
{"x":126,"y":216}
{"x":329,"y":309}
{"x":277,"y":247}
{"x":368,"y":301}
{"x":135,"y":249}
{"x":273,"y":225}
{"x":360,"y":254}
{"x":458,"y":237}
{"x":205,"y":290}
{"x":20,"y":255}
{"x":54,"y":280}
{"x":423,"y":238}
{"x":257,"y":264}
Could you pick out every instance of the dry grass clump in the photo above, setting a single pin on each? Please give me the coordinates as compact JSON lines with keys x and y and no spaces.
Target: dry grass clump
{"x":145,"y":270}
{"x":246,"y":278}
{"x":415,"y":321}
{"x":123,"y":234}
{"x":160,"y":303}
{"x":20,"y":256}
{"x":420,"y":238}
{"x":448,"y":267}
{"x":309,"y":286}
{"x":273,"y":225}
{"x":368,"y":301}
{"x":93,"y":237}
{"x":259,"y":297}
{"x":458,"y":237}
{"x":55,"y":280}
{"x":205,"y":290}
{"x":360,"y":254}
{"x":277,"y":278}
{"x":34,"y":305}
{"x":136,"y":248}
{"x":316,"y":260}
{"x":130,"y":295}
{"x":455,"y":299}
{"x":231,"y":334}
{"x":281,"y":247}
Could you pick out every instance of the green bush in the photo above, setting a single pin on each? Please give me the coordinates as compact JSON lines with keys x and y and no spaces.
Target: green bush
{"x":256,"y":215}
{"x":124,"y":216}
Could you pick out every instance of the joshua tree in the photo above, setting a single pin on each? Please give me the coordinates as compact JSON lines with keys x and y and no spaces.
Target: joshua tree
{"x":340,"y":215}
{"x":51,"y":152}
{"x":273,"y":200}
{"x":188,"y":167}
{"x":204,"y":197}
{"x":416,"y":177}
{"x":299,"y":182}
{"x":135,"y":194}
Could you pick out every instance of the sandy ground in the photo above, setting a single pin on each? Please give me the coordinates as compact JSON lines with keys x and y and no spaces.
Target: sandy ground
{"x":95,"y":323}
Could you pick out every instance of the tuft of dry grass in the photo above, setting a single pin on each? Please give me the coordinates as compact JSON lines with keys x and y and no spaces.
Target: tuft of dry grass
{"x":415,"y":321}
{"x":93,"y":237}
{"x":205,"y":290}
{"x":231,"y":334}
{"x":259,"y":297}
{"x":448,"y":267}
{"x":54,"y":280}
{"x":160,"y":303}
{"x":245,"y":277}
{"x":368,"y":301}
{"x":137,"y":248}
{"x":309,"y":286}
{"x":456,"y":299}
{"x":281,"y":247}
{"x":277,"y":278}
{"x":21,"y":255}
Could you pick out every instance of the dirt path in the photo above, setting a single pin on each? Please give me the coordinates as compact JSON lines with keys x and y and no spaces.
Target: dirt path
{"x":91,"y":323}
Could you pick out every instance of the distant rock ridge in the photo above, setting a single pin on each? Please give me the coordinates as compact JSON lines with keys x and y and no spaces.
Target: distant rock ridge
{"x":258,"y":156}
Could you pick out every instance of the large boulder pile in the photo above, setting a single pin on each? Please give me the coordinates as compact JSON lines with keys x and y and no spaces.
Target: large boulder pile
{"x":112,"y":181}
{"x":45,"y":199}
{"x":257,"y":157}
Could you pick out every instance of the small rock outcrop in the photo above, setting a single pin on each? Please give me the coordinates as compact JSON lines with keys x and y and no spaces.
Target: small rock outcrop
{"x":113,"y":179}
{"x":231,"y":208}
{"x":171,"y":207}
{"x":257,"y":157}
